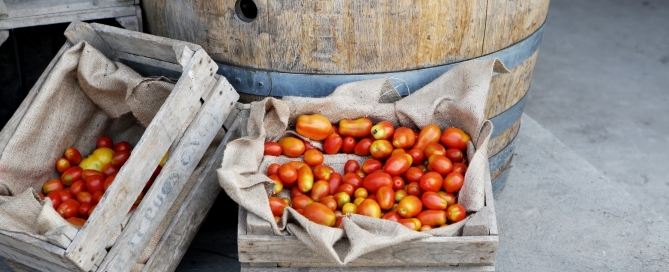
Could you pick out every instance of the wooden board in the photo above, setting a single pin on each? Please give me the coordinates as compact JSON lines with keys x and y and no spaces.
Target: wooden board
{"x":507,"y":89}
{"x":33,"y":252}
{"x":247,"y":268}
{"x":20,"y":9}
{"x":54,"y":18}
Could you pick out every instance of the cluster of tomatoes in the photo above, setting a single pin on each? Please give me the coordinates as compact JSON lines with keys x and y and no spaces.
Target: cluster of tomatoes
{"x":83,"y":181}
{"x":411,"y":177}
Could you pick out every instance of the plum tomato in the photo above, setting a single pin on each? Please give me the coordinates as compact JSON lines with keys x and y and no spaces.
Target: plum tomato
{"x":371,"y":165}
{"x":91,"y":163}
{"x":55,"y":198}
{"x":397,"y":165}
{"x":62,"y":165}
{"x":348,"y":188}
{"x":273,"y":169}
{"x":455,"y":138}
{"x":305,"y":179}
{"x":434,"y":149}
{"x":410,"y":206}
{"x":292,"y":147}
{"x":122,"y":146}
{"x":88,"y":173}
{"x":428,"y":134}
{"x":455,"y":155}
{"x":319,"y":190}
{"x":353,"y":179}
{"x":432,"y":218}
{"x":77,"y":187}
{"x":411,"y":223}
{"x":349,"y":208}
{"x":431,"y":182}
{"x":383,"y":130}
{"x":108,"y":182}
{"x":321,"y":172}
{"x":272,"y":149}
{"x":385,"y":197}
{"x":362,"y":148}
{"x":105,"y":141}
{"x":287,"y":173}
{"x":315,"y":127}
{"x":119,"y":158}
{"x":300,"y":201}
{"x":358,"y":128}
{"x":417,"y":155}
{"x":376,"y":180}
{"x":414,"y":189}
{"x":453,"y":182}
{"x":456,"y":213}
{"x":381,"y":149}
{"x":277,"y":206}
{"x":71,"y":175}
{"x":348,"y":145}
{"x":360,"y":192}
{"x":399,"y":194}
{"x":313,"y":157}
{"x":392,"y":216}
{"x":433,"y":201}
{"x":398,"y":183}
{"x":333,"y":144}
{"x":329,"y":202}
{"x":342,"y":198}
{"x":351,"y":166}
{"x":72,"y":155}
{"x":97,"y":197}
{"x":335,"y":181}
{"x":84,"y":209}
{"x":76,"y":222}
{"x":52,"y":185}
{"x":95,"y":183}
{"x":369,"y":207}
{"x":69,"y":208}
{"x":109,"y":170}
{"x":460,"y":168}
{"x":440,"y":164}
{"x":403,"y":138}
{"x":319,"y":214}
{"x":413,"y":174}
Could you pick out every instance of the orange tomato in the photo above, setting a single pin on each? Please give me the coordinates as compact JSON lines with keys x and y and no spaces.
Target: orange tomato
{"x":75,"y":221}
{"x":273,"y":149}
{"x":369,"y":207}
{"x":409,"y":206}
{"x":383,"y":130}
{"x":440,"y":164}
{"x":349,"y":208}
{"x":287,"y":173}
{"x":449,"y":197}
{"x":411,"y":223}
{"x":456,"y":213}
{"x":329,"y":202}
{"x":291,"y":146}
{"x":381,"y":149}
{"x":62,"y":165}
{"x":320,"y":214}
{"x":371,"y":165}
{"x":385,"y":197}
{"x":319,"y":190}
{"x":301,"y":201}
{"x":413,"y":174}
{"x":429,"y":134}
{"x":358,"y":128}
{"x":305,"y":179}
{"x":342,"y":198}
{"x":313,"y":157}
{"x":432,"y":218}
{"x":403,"y":138}
{"x":360,"y":192}
{"x":434,"y":149}
{"x":316,"y":127}
{"x":455,"y":138}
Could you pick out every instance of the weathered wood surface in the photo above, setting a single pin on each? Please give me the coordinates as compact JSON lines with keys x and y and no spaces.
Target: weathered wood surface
{"x":54,"y":18}
{"x":3,"y":12}
{"x":507,"y":89}
{"x":478,"y":224}
{"x":78,"y":32}
{"x":492,"y":214}
{"x":33,"y":252}
{"x":340,"y":37}
{"x":503,"y":140}
{"x":18,"y":267}
{"x":17,"y":9}
{"x":246,"y":267}
{"x":183,"y":161}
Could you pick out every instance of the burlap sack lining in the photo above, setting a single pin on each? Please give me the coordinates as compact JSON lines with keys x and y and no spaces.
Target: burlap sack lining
{"x":84,"y":96}
{"x":457,"y":98}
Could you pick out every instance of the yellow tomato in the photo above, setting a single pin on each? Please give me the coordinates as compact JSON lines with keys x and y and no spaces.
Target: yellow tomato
{"x":91,"y":162}
{"x":104,"y":154}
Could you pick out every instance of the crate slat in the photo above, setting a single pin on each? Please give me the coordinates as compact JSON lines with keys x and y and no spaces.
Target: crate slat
{"x":247,"y":268}
{"x":33,"y":252}
{"x":37,"y":8}
{"x":64,"y":17}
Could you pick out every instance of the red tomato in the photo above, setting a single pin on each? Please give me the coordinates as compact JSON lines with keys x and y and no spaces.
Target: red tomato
{"x":84,"y":197}
{"x":371,"y":165}
{"x":455,"y":138}
{"x":308,"y":146}
{"x":273,"y":149}
{"x":449,"y":197}
{"x":440,"y":164}
{"x":417,"y":155}
{"x":413,"y":174}
{"x":313,"y":157}
{"x":287,"y":173}
{"x":305,"y":179}
{"x":385,"y":197}
{"x":119,"y":158}
{"x":348,"y":145}
{"x":460,"y":168}
{"x":62,"y":165}
{"x":431,"y":182}
{"x":292,"y":147}
{"x":358,"y":128}
{"x":348,"y":188}
{"x":277,"y":206}
{"x":411,"y":223}
{"x":273,"y":169}
{"x":72,"y":155}
{"x":295,"y":192}
{"x":456,"y":213}
{"x":398,"y":183}
{"x":453,"y":182}
{"x":109,"y":170}
{"x":353,"y":179}
{"x":335,"y":181}
{"x":319,"y":190}
{"x":403,"y":138}
{"x":361,"y":173}
{"x":301,"y":201}
{"x":95,"y":183}
{"x":332,"y":144}
{"x":316,"y":127}
{"x":71,"y":175}
{"x":433,"y":201}
{"x":330,"y":202}
{"x":399,"y":194}
{"x":414,"y":189}
{"x":432,"y":218}
{"x":383,"y":130}
{"x":77,"y":222}
{"x":90,"y":211}
{"x":105,"y":141}
{"x":376,"y":180}
{"x":409,"y":206}
{"x":455,"y":155}
{"x":351,"y":166}
{"x":397,"y":165}
{"x":392,"y":216}
{"x":84,"y":209}
{"x":369,"y":207}
{"x":97,"y":197}
{"x":362,"y":147}
{"x":429,"y":134}
{"x":120,"y":146}
{"x":108,"y":182}
{"x":69,"y":208}
{"x":77,"y":187}
{"x":64,"y":195}
{"x":381,"y":149}
{"x":52,"y":186}
{"x":90,"y":172}
{"x":321,"y":172}
{"x":320,"y":214}
{"x":55,"y":198}
{"x":434,"y":149}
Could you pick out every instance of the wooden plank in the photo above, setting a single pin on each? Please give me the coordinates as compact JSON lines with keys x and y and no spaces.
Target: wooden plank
{"x":33,"y":252}
{"x":247,"y":268}
{"x":492,"y":215}
{"x":11,"y":125}
{"x":39,"y":8}
{"x":183,"y":161}
{"x":178,"y":236}
{"x":478,"y":224}
{"x":78,"y":32}
{"x":150,"y":67}
{"x":149,"y":46}
{"x":48,"y":19}
{"x":503,"y":140}
{"x":257,"y":226}
{"x":19,"y":267}
{"x":129,"y":22}
{"x":138,"y":14}
{"x":172,"y":117}
{"x":479,"y":250}
{"x":3,"y":11}
{"x":507,"y":89}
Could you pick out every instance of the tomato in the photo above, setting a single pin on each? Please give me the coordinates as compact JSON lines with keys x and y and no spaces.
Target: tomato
{"x":55,"y":198}
{"x":278,"y":185}
{"x":440,"y":164}
{"x":71,"y":175}
{"x":69,"y":208}
{"x":308,"y":145}
{"x":385,"y":196}
{"x":361,"y":173}
{"x":403,"y":138}
{"x":460,"y":168}
{"x":84,"y":208}
{"x":349,"y":208}
{"x":362,"y":147}
{"x":351,"y":166}
{"x":455,"y":155}
{"x":417,"y":155}
{"x":273,"y":169}
{"x":372,"y":196}
{"x":398,"y":183}
{"x":88,"y":173}
{"x":64,"y":195}
{"x":399,"y":152}
{"x":92,"y":163}
{"x":431,"y":182}
{"x":353,"y":179}
{"x":320,"y":214}
{"x":399,"y":194}
{"x":90,"y":211}
{"x":348,"y":188}
{"x":433,"y":201}
{"x":424,"y":228}
{"x":272,"y":149}
{"x":358,"y":200}
{"x":75,"y":221}
{"x":434,"y":149}
{"x":319,"y":190}
{"x":383,"y":130}
{"x":108,"y":182}
{"x":305,"y":180}
{"x":455,"y":138}
{"x":456,"y":213}
{"x":277,"y":206}
{"x":77,"y":187}
{"x":348,"y":145}
{"x":432,"y":218}
{"x":292,"y":147}
{"x":423,"y":168}
{"x":332,"y":144}
{"x":322,"y":172}
{"x":453,"y":182}
{"x":316,"y":127}
{"x":299,"y":164}
{"x":109,"y":170}
{"x":72,"y":155}
{"x":105,"y":141}
{"x":392,"y":216}
{"x":286,"y":200}
{"x":95,"y":183}
{"x":97,"y":197}
{"x":376,"y":180}
{"x":335,"y":181}
{"x":411,"y":223}
{"x":397,"y":165}
{"x":429,"y":134}
{"x":360,"y":192}
{"x":287,"y":173}
{"x":369,"y":207}
{"x":409,"y":206}
{"x":413,"y":174}
{"x":120,"y":146}
{"x":371,"y":165}
{"x":342,"y":198}
{"x":358,"y":128}
{"x":52,"y":186}
{"x":414,"y":189}
{"x":449,"y":197}
{"x":295,"y":192}
{"x":313,"y":157}
{"x":381,"y":149}
{"x":330,"y":202}
{"x":104,"y":154}
{"x":62,"y":165}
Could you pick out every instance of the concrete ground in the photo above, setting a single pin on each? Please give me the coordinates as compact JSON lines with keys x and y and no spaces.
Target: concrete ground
{"x":588,"y":187}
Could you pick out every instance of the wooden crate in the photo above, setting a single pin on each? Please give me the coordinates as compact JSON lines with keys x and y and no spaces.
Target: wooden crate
{"x":184,"y":125}
{"x":476,"y":250}
{"x":26,"y":13}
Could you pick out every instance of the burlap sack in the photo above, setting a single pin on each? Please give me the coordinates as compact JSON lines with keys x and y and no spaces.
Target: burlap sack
{"x":457,"y":98}
{"x":85,"y":95}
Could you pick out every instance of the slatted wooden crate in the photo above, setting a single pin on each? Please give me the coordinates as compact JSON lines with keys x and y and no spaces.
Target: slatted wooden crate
{"x":260,"y":250}
{"x":184,"y":124}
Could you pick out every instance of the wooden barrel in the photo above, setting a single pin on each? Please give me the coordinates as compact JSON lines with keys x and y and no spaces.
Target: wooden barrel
{"x":307,"y":48}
